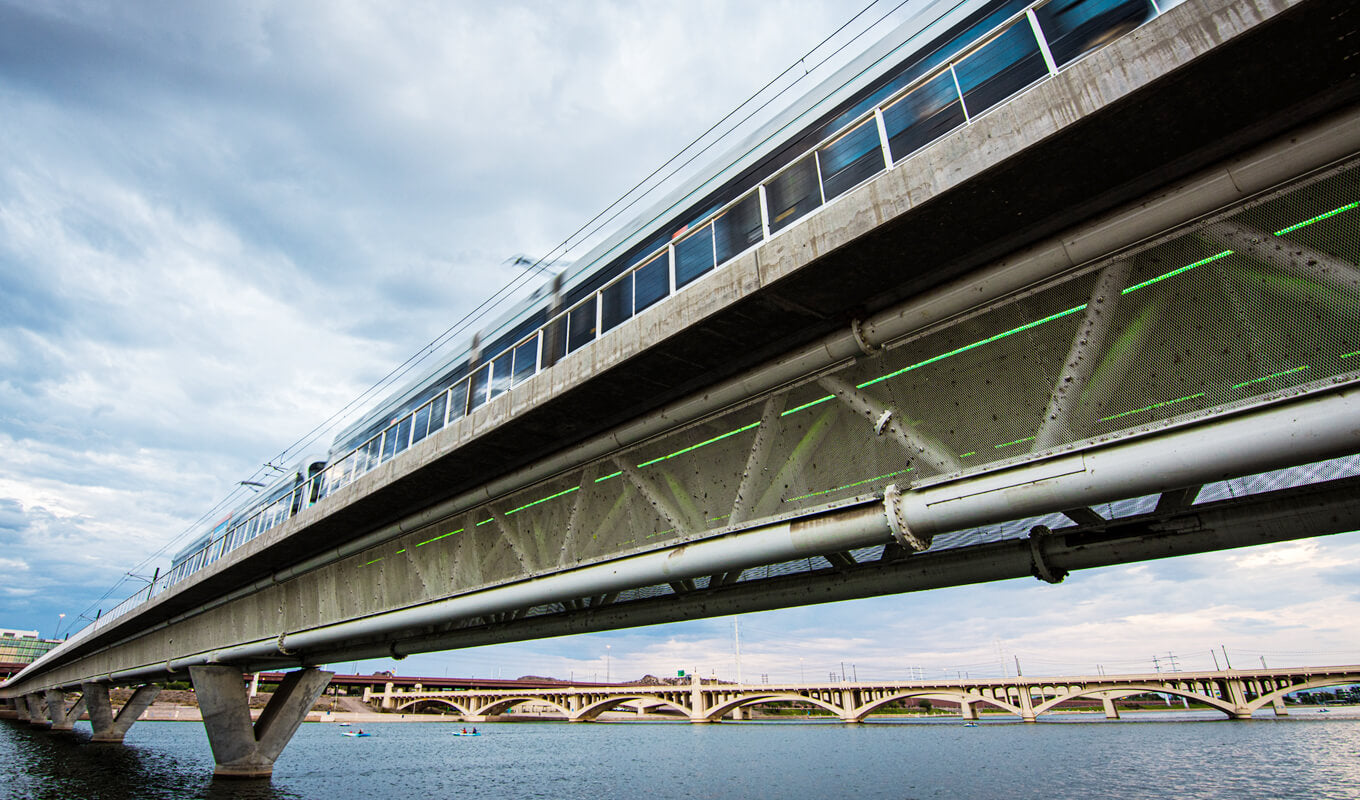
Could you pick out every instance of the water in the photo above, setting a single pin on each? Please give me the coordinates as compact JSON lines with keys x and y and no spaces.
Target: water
{"x":1303,"y":756}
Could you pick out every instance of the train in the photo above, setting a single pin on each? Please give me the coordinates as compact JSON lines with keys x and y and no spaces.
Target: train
{"x":950,"y":62}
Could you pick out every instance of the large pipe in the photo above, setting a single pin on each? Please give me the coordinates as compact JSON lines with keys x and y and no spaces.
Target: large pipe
{"x":1313,"y":428}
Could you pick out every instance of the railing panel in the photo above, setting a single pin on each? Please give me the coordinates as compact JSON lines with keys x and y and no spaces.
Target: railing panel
{"x":581,"y":325}
{"x":1002,"y":67}
{"x":616,"y":302}
{"x":793,"y":193}
{"x":1075,"y":27}
{"x":737,"y":228}
{"x":651,"y":283}
{"x":925,"y":114}
{"x":526,"y":359}
{"x":851,"y":159}
{"x":694,"y":256}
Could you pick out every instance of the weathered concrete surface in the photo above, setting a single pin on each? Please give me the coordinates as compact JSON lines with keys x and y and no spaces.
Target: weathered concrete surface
{"x":1194,"y":86}
{"x":243,"y":749}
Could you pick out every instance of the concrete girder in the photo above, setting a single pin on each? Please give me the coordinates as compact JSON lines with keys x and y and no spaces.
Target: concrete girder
{"x":1084,"y":355}
{"x":242,"y":749}
{"x":922,"y":448}
{"x":106,"y":726}
{"x":676,"y":517}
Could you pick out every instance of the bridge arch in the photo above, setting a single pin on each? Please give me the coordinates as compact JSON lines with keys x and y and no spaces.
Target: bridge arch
{"x":1128,"y":690}
{"x":960,"y":697}
{"x":500,"y":705}
{"x":593,"y":710}
{"x":720,"y":710}
{"x":1311,"y":683}
{"x":411,"y":704}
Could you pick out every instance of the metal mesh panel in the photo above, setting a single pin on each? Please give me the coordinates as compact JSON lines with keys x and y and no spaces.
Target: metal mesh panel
{"x":1228,"y":313}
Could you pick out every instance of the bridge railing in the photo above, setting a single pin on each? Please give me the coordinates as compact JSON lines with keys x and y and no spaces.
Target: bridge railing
{"x":923,"y":106}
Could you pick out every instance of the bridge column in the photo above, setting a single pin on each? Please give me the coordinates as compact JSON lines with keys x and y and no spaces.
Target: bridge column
{"x":967,"y":710}
{"x":387,"y":697}
{"x":106,"y":726}
{"x":63,"y":720}
{"x":36,"y":718}
{"x":1278,"y":705}
{"x":240,"y":749}
{"x":697,"y":707}
{"x":1026,"y":705}
{"x":1110,"y":711}
{"x":1237,"y":695}
{"x":8,"y":709}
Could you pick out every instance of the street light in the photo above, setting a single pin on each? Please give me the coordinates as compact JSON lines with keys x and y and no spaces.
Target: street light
{"x":57,"y":634}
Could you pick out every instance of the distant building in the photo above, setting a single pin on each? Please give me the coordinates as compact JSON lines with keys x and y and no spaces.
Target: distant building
{"x":21,"y":648}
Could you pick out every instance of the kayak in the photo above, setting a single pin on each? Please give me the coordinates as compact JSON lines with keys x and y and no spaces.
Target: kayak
{"x":460,"y":733}
{"x":355,"y":733}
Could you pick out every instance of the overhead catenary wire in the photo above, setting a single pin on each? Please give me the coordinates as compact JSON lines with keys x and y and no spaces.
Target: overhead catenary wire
{"x":530,"y":269}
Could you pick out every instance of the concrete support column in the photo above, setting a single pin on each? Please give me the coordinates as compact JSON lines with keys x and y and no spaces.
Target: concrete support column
{"x":698,"y":709}
{"x":1278,"y":705}
{"x":254,"y":684}
{"x":1026,"y":705}
{"x":1237,"y":695}
{"x":62,"y":719}
{"x":967,"y":710}
{"x":36,"y":717}
{"x":1110,"y":711}
{"x":240,"y":749}
{"x":106,"y":726}
{"x":387,"y":697}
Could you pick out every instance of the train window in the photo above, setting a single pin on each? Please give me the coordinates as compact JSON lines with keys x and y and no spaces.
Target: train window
{"x":1074,"y":27}
{"x":372,"y":452}
{"x":554,"y":340}
{"x":477,"y":386}
{"x":793,"y":193}
{"x":925,"y":114}
{"x":458,"y":397}
{"x":420,"y":425}
{"x":581,"y":325}
{"x":500,"y":373}
{"x":437,"y":408}
{"x":1002,"y":67}
{"x":616,"y":303}
{"x":693,"y":256}
{"x":389,"y":444}
{"x":851,"y":159}
{"x":651,"y":282}
{"x":526,"y":360}
{"x":738,"y":228}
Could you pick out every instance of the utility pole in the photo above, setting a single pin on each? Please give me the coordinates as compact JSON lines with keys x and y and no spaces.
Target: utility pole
{"x":1018,"y":673}
{"x":736,"y":644}
{"x":1156,"y":666}
{"x":1172,"y":657}
{"x":1217,"y":668}
{"x":1225,"y":656}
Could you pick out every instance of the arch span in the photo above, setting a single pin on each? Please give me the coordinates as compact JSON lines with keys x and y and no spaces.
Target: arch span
{"x":960,"y":697}
{"x":409,"y":707}
{"x":592,"y":711}
{"x":726,"y":707}
{"x":1133,"y":689}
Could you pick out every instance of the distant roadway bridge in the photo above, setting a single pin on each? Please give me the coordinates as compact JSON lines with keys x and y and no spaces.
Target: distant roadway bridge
{"x":1114,"y":315}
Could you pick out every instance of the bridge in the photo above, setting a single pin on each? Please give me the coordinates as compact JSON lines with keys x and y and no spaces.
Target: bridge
{"x":1112,"y":316}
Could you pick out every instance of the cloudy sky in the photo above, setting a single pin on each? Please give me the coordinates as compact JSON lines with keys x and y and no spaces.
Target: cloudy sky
{"x":222,"y":223}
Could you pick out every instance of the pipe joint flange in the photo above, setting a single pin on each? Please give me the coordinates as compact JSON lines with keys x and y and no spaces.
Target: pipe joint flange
{"x":392,"y":648}
{"x":169,"y":668}
{"x":897,"y":522}
{"x":283,"y":649}
{"x":1038,"y":559}
{"x":882,"y":423}
{"x":865,"y":347}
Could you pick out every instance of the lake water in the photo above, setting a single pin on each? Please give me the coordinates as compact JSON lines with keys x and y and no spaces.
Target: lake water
{"x":1307,"y":755}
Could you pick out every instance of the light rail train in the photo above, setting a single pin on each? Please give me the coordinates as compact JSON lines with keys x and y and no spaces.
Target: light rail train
{"x":943,"y":67}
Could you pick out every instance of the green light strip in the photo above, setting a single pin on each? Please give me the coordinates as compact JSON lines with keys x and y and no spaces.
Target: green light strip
{"x":485,"y":521}
{"x":848,"y":486}
{"x":544,"y":500}
{"x":1151,"y":407}
{"x":440,"y":536}
{"x":980,"y":343}
{"x":1348,"y":355}
{"x":755,"y":424}
{"x":374,"y":561}
{"x":1269,"y":377}
{"x":808,"y":405}
{"x":1318,"y":218}
{"x":399,"y":552}
{"x":965,"y":455}
{"x":607,"y":477}
{"x":1173,"y":273}
{"x":1017,"y":441}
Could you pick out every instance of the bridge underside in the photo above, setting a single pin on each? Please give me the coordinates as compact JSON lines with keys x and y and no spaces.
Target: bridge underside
{"x":1167,"y":373}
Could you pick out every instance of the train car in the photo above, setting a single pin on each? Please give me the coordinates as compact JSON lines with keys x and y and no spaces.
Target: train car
{"x":948,"y":63}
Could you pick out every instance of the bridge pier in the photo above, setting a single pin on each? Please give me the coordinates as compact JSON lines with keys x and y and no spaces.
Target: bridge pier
{"x":62,"y":719}
{"x":967,"y":710}
{"x":1278,"y":705}
{"x":242,"y":749}
{"x":36,"y":718}
{"x":8,"y":710}
{"x":108,"y":727}
{"x":1110,"y":711}
{"x":1027,"y":706}
{"x":1236,"y":693}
